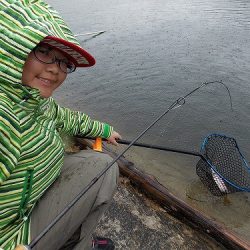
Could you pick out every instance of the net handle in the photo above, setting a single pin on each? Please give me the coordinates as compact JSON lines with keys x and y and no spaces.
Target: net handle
{"x":152,"y":146}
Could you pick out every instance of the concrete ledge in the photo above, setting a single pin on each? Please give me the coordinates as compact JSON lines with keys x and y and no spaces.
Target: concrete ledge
{"x":135,"y":222}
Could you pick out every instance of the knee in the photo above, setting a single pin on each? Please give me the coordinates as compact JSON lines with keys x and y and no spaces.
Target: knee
{"x":103,"y":161}
{"x":113,"y":171}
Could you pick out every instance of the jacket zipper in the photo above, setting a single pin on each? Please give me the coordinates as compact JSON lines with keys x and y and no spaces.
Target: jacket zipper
{"x":28,"y":182}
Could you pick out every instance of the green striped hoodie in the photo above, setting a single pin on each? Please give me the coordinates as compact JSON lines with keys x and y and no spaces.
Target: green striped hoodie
{"x":31,"y":149}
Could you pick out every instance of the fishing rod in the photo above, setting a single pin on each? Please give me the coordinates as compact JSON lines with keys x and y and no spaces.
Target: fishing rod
{"x":95,"y":33}
{"x":90,"y":35}
{"x":177,"y":103}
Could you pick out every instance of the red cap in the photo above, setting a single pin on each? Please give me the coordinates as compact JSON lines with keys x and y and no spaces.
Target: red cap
{"x":79,"y":56}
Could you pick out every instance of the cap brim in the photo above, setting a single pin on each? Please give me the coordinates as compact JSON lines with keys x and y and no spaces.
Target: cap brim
{"x":79,"y":56}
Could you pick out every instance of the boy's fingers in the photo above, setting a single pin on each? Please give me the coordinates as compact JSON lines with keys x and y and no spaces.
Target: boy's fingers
{"x":114,"y":142}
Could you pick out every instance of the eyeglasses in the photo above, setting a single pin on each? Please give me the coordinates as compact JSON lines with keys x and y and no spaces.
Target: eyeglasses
{"x":45,"y":54}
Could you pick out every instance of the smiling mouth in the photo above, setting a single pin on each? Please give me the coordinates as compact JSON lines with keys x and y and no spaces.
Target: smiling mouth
{"x":45,"y":81}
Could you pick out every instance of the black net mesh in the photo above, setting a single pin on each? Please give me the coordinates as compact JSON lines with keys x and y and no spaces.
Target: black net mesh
{"x":224,"y":156}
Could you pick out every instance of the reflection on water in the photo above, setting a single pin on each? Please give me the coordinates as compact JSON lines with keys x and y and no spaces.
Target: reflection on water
{"x":152,"y":53}
{"x":233,"y":208}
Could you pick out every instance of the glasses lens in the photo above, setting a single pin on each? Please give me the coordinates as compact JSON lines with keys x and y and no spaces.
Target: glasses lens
{"x":67,"y":66}
{"x":44,"y":54}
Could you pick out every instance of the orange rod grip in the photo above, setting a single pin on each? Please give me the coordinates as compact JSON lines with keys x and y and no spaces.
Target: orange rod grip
{"x":97,"y":146}
{"x":22,"y":247}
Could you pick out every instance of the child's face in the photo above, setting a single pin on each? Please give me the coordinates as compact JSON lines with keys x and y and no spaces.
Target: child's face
{"x":43,"y":76}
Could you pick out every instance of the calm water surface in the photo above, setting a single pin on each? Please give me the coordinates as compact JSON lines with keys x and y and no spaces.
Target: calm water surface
{"x":152,"y":53}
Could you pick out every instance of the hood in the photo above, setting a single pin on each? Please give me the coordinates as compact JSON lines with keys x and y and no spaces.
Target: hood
{"x":23,"y":24}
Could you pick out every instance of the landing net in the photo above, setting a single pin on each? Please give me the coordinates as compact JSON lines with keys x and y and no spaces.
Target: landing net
{"x":225,"y":169}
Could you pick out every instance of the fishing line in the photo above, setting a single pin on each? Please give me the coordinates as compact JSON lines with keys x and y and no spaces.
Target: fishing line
{"x":180,"y":99}
{"x":177,"y":103}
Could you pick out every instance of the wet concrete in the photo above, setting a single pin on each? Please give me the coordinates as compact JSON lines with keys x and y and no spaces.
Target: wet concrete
{"x":135,"y":222}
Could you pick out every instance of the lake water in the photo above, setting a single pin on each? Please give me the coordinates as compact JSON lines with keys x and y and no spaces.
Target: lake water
{"x":153,"y":52}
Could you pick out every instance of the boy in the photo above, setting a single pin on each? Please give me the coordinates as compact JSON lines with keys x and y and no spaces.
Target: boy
{"x":37,"y":52}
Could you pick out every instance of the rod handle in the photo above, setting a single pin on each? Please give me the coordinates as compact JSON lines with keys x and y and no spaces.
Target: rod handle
{"x":97,"y":146}
{"x":22,"y":247}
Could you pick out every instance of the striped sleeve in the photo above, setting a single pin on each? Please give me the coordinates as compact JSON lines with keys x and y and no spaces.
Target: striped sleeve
{"x":9,"y":140}
{"x":77,"y":123}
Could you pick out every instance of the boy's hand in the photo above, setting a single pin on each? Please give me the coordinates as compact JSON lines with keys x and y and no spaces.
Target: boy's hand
{"x":112,"y":139}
